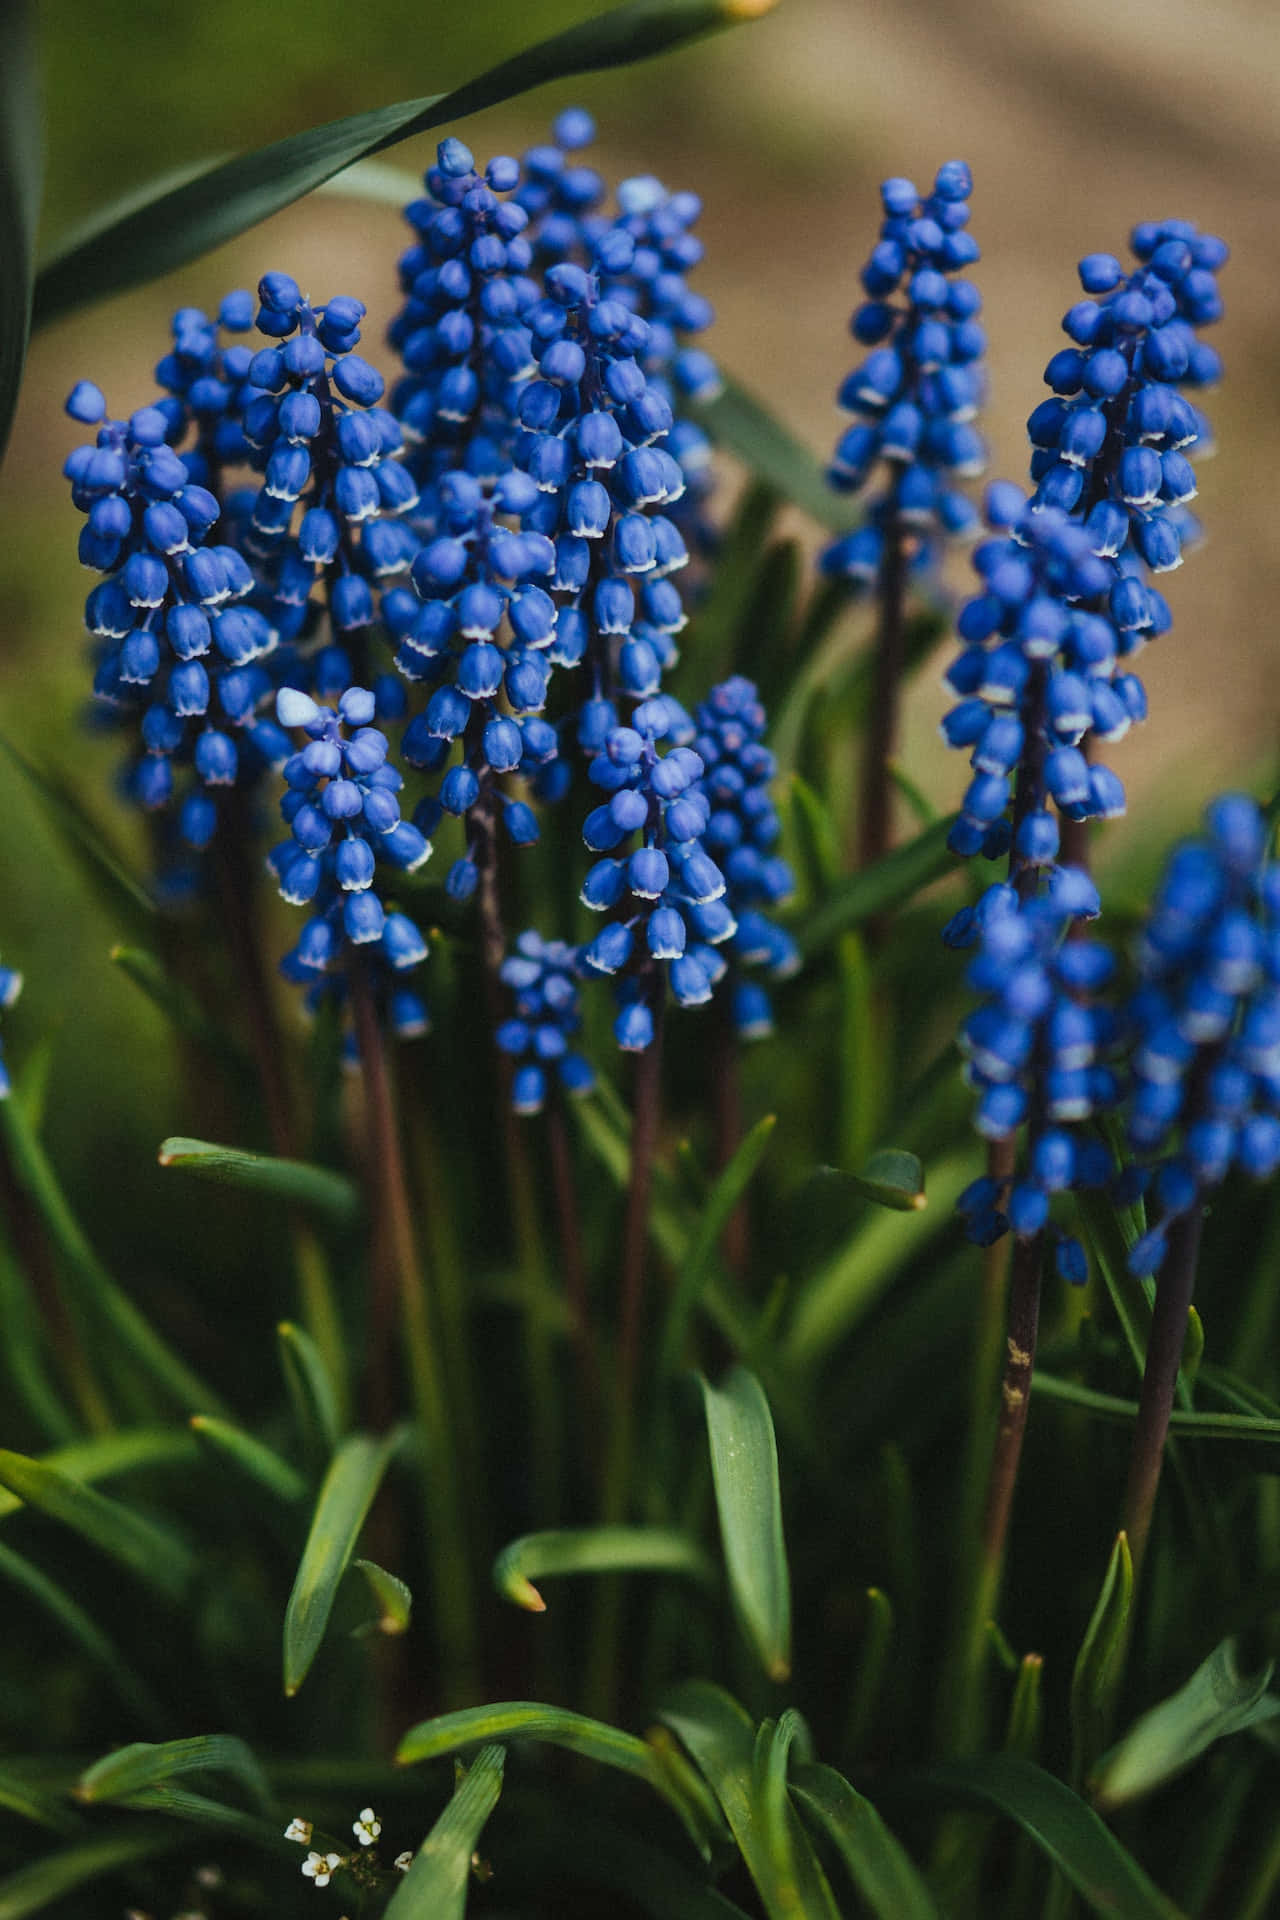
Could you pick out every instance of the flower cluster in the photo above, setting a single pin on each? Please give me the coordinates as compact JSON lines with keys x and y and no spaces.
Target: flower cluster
{"x":1040,"y":678}
{"x":666,"y":896}
{"x":10,"y":988}
{"x":915,"y":395}
{"x":461,"y":333}
{"x":320,"y":1868}
{"x":742,"y":835}
{"x":1206,"y":1020}
{"x":1110,"y":445}
{"x":178,"y":645}
{"x":479,"y":629}
{"x":544,"y":976}
{"x":1036,"y":1051}
{"x":344,"y":818}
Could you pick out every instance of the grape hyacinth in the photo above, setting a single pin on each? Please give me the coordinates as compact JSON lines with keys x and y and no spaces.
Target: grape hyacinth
{"x":1036,"y":1050}
{"x":545,"y":977}
{"x":1040,"y":675}
{"x":480,"y":631}
{"x":461,"y":333}
{"x":1206,"y":1023}
{"x":741,"y":835}
{"x":325,"y":446}
{"x":344,"y":821}
{"x":591,"y":424}
{"x":666,"y":896}
{"x":178,"y":643}
{"x":1110,"y":446}
{"x":916,"y":393}
{"x":10,"y":988}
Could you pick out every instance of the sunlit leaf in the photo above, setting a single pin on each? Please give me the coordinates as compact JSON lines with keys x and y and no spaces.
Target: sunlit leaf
{"x":1216,"y":1701}
{"x":744,"y":1468}
{"x":144,"y":1764}
{"x":292,"y":1180}
{"x":394,"y":1600}
{"x":354,"y":1476}
{"x":593,"y":1550}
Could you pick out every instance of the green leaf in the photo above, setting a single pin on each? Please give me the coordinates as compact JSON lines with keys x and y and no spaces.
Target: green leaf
{"x":293,"y":1180}
{"x":1095,"y":1679}
{"x":593,"y":1739}
{"x":96,"y":1291}
{"x":878,"y":1864}
{"x":738,"y":421}
{"x":1110,"y":1233}
{"x":256,"y":1461}
{"x":1026,"y":1709}
{"x":435,"y":1887}
{"x":1217,"y":1700}
{"x":26,"y":1351}
{"x":592,"y":1550}
{"x":180,"y":1006}
{"x":120,"y":894}
{"x":354,"y":1476}
{"x":1066,"y":1831}
{"x":891,"y":1178}
{"x":178,"y":224}
{"x":717,"y":1209}
{"x":131,"y":1769}
{"x":878,"y":889}
{"x":720,"y":1737}
{"x":34,"y":1888}
{"x":196,"y":1810}
{"x":1196,"y":1426}
{"x":844,"y":1290}
{"x":744,"y":1468}
{"x":158,"y":1557}
{"x":81,"y":1627}
{"x":310,"y":1388}
{"x":19,"y":198}
{"x":34,"y":1803}
{"x":112,"y":1453}
{"x":395,"y":1602}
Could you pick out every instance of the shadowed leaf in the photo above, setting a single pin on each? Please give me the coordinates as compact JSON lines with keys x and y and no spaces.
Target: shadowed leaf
{"x":593,"y":1550}
{"x":354,"y":1476}
{"x":744,"y":1468}
{"x":435,"y":1887}
{"x":293,"y":1180}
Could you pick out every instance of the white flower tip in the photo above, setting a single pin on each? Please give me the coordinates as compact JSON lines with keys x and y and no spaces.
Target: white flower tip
{"x":295,"y":709}
{"x":403,"y":1862}
{"x":299,"y":1830}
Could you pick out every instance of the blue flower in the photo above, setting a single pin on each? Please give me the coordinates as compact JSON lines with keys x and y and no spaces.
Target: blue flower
{"x":1111,"y":446}
{"x":1205,"y":1022}
{"x":545,"y":978}
{"x":10,"y":988}
{"x":479,"y":630}
{"x":1041,"y":676}
{"x":664,"y":894}
{"x":1037,"y":1051}
{"x":179,"y":644}
{"x":915,"y":395}
{"x":343,"y":814}
{"x":742,"y":835}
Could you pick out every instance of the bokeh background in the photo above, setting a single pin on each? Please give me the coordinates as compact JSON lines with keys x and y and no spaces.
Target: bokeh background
{"x":1077,"y":121}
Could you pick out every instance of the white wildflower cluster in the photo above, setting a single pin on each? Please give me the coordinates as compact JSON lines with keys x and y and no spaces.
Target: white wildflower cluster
{"x":320,"y":1867}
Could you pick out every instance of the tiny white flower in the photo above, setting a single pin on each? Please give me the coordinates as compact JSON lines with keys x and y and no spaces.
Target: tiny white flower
{"x":366,"y":1827}
{"x":321,"y":1867}
{"x":212,"y":1876}
{"x":403,"y":1862}
{"x":299,"y":1830}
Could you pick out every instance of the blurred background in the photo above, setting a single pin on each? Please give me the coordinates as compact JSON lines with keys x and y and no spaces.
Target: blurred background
{"x":1077,"y":122}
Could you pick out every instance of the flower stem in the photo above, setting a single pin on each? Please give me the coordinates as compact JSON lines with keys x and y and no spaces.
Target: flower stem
{"x":886,"y":690}
{"x":1174,"y":1289}
{"x":569,"y":1224}
{"x":450,"y":1560}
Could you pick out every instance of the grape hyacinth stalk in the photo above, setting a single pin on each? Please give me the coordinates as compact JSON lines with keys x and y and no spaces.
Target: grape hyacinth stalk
{"x":914,"y":396}
{"x":1205,"y":1030}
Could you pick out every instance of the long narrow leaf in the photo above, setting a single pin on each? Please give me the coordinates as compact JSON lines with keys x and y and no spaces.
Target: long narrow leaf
{"x":111,"y":1453}
{"x":293,"y":1180}
{"x":1217,"y":1700}
{"x":34,"y":1803}
{"x":559,"y":1727}
{"x":435,"y":1887}
{"x":311,"y":1390}
{"x":719,"y":1205}
{"x":720,"y":1737}
{"x":878,"y":1865}
{"x":354,"y":1476}
{"x":34,"y":1888}
{"x":1100,"y":1661}
{"x":180,"y":223}
{"x":744,"y":1467}
{"x":1066,"y":1831}
{"x":19,"y":198}
{"x":97,"y":1292}
{"x":742,"y":424}
{"x":1196,"y":1426}
{"x":121,"y":895}
{"x":154,"y":1554}
{"x":72,"y":1620}
{"x":180,"y":1006}
{"x":877,"y":890}
{"x":130,"y":1769}
{"x":256,"y":1461}
{"x":593,"y":1550}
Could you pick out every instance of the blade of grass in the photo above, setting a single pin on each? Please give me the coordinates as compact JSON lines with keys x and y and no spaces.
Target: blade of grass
{"x":354,"y":1476}
{"x":153,"y":1553}
{"x":292,"y":1180}
{"x":435,"y":1887}
{"x":593,"y":1550}
{"x":744,"y":1468}
{"x":130,"y":1769}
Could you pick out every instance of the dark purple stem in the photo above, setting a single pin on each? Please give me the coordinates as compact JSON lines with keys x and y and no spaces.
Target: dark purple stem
{"x":1174,"y":1290}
